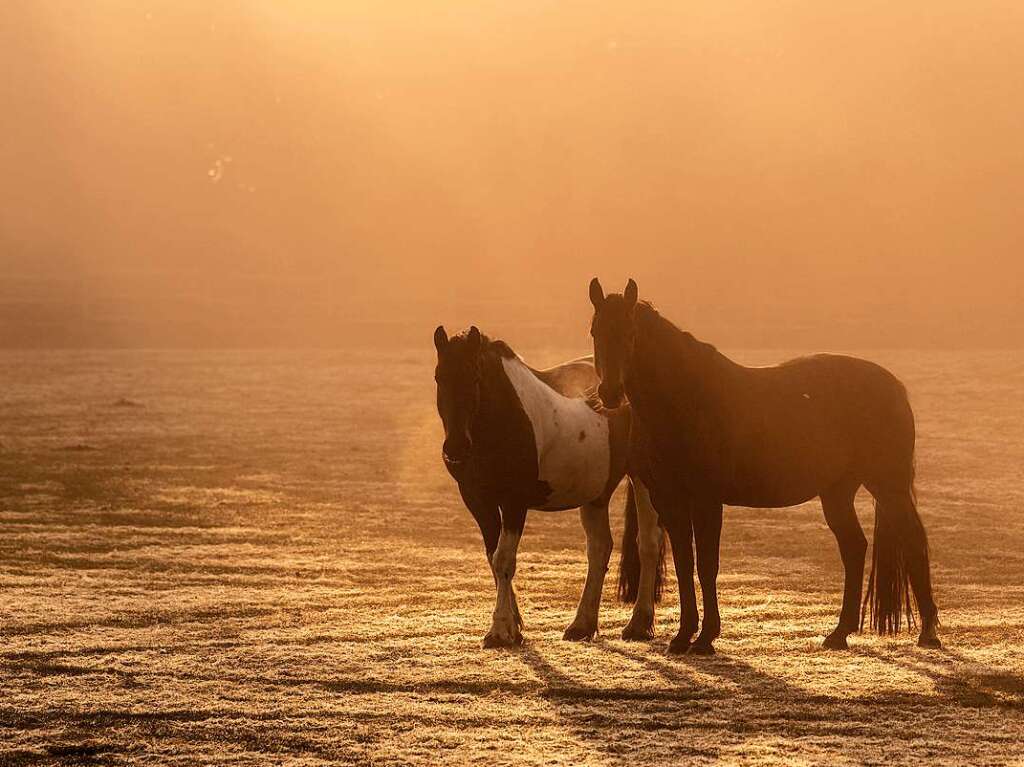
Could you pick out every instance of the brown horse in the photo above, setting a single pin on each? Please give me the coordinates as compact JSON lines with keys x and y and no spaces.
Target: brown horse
{"x":708,"y":431}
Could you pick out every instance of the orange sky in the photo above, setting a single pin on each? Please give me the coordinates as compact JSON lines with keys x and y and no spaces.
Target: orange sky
{"x":245,"y":173}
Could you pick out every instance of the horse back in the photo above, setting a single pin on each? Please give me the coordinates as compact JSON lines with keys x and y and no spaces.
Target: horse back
{"x":823,"y":392}
{"x":574,"y":379}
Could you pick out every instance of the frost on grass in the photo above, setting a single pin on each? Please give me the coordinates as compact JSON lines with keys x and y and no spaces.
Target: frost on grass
{"x":241,"y":575}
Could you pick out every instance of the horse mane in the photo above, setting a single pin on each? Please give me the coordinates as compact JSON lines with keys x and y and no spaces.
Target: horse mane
{"x":684,"y":363}
{"x":649,"y":320}
{"x":594,"y":402}
{"x":487,"y":344}
{"x":498,"y":349}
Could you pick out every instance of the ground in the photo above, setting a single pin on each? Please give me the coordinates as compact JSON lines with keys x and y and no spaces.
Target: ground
{"x":257,"y":557}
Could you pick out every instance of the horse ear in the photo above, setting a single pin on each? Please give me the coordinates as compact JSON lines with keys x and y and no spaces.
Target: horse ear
{"x":630,"y":292}
{"x":596,"y":293}
{"x":440,"y":338}
{"x":474,"y":338}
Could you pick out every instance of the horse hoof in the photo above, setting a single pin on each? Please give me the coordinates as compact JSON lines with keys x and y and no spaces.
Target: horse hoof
{"x":578,"y":634}
{"x":638,"y":633}
{"x":929,"y":642}
{"x":701,"y":648}
{"x":493,"y":641}
{"x":678,"y":646}
{"x":835,"y":642}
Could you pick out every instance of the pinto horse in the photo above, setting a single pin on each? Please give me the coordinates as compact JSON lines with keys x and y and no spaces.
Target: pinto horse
{"x":708,"y":431}
{"x":517,"y":439}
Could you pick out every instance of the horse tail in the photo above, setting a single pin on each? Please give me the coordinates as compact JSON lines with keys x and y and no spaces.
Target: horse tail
{"x":659,"y":573}
{"x":629,"y":558}
{"x":900,"y":546}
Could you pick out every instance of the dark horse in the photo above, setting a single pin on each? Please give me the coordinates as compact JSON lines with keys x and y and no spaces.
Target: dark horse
{"x":518,"y":438}
{"x":708,"y":432}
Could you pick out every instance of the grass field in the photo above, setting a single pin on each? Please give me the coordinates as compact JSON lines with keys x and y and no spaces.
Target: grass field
{"x":252,"y":558}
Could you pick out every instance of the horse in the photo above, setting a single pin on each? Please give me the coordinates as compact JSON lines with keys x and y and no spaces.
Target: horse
{"x":515,"y":439}
{"x":708,"y":431}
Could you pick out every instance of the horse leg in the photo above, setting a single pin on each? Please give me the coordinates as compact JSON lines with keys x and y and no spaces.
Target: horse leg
{"x":506,"y":624}
{"x":488,"y":519}
{"x":680,"y":533}
{"x":594,"y":517}
{"x":649,"y":534}
{"x":841,"y":517}
{"x":707,"y":530}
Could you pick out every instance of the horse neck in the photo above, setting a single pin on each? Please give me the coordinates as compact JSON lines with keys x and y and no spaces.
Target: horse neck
{"x":666,"y":359}
{"x":497,"y":398}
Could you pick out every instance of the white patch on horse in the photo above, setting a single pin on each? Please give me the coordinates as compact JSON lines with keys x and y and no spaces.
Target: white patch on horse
{"x":573,"y":452}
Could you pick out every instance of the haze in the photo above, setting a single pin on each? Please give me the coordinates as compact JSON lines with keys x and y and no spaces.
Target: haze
{"x":319,"y":173}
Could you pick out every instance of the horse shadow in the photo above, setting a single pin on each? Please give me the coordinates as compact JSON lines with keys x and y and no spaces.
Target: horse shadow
{"x":591,"y":712}
{"x":971,"y":685}
{"x":591,"y":715}
{"x":700,"y":684}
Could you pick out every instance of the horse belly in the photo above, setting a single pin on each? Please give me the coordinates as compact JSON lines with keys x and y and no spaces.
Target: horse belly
{"x":575,"y":460}
{"x":797,"y":458}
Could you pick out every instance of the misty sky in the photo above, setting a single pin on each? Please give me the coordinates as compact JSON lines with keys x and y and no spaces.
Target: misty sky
{"x":309,"y":173}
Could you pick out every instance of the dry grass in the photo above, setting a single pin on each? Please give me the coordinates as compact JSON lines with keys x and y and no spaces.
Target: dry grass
{"x":265,"y":562}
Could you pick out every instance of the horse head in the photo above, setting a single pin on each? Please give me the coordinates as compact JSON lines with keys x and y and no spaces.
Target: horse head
{"x":458,"y":391}
{"x":614,"y":333}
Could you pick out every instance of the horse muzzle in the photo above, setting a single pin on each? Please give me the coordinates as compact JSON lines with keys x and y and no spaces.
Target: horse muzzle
{"x":456,"y":453}
{"x":454,"y":463}
{"x":611,"y":396}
